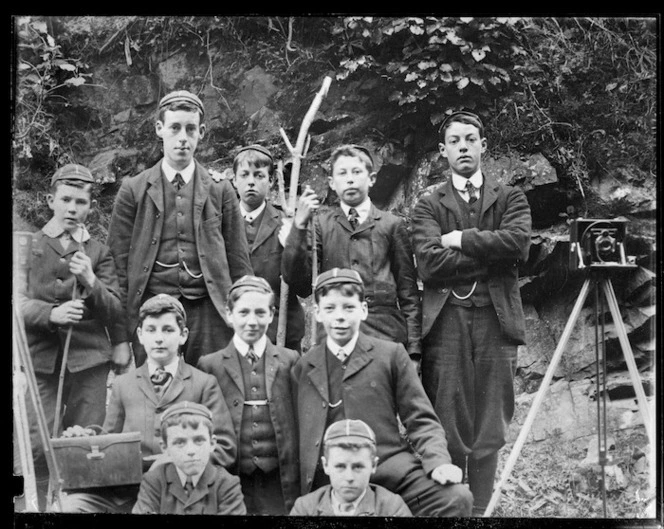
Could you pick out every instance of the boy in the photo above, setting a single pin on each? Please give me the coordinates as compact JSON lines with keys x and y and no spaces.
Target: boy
{"x":349,"y":459}
{"x":174,"y":230}
{"x":141,"y":395}
{"x":253,"y":169}
{"x":72,"y":288}
{"x":189,"y":483}
{"x":255,"y":377}
{"x":469,"y":237}
{"x":355,"y":376}
{"x":359,"y":236}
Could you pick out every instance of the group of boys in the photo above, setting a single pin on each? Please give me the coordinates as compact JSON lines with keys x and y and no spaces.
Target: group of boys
{"x":232,"y":423}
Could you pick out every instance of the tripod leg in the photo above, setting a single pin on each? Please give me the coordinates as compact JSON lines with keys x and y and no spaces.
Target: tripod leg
{"x":629,"y":359}
{"x":525,"y":429}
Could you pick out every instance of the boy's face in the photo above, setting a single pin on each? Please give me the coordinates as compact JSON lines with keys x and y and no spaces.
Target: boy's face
{"x":252,"y":184}
{"x":351,"y":180}
{"x":251,"y":315}
{"x":349,"y":471}
{"x":189,"y":448}
{"x":341,"y":315}
{"x":180,"y":132}
{"x":463,"y":148}
{"x":162,"y":337}
{"x":70,"y":205}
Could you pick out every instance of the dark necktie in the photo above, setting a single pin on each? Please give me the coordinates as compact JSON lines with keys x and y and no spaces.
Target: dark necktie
{"x":189,"y":487}
{"x":251,"y":356}
{"x":472,"y":192}
{"x":353,"y":217}
{"x":178,"y":181}
{"x":160,"y":379}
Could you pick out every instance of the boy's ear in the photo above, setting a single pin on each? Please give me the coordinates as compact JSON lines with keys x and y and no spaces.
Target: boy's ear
{"x":372,"y":178}
{"x":93,"y":203}
{"x":365,"y":310}
{"x":375,"y":465}
{"x":317,"y":314}
{"x":139,"y":334}
{"x":324,"y":463}
{"x":49,"y":200}
{"x":201,"y":131}
{"x":184,"y":335}
{"x":213,"y":440}
{"x":162,"y":444}
{"x":159,"y":127}
{"x":484,"y":145}
{"x":441,"y":148}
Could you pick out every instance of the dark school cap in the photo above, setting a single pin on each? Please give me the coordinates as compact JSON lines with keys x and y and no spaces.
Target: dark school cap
{"x":353,"y":146}
{"x":257,"y":283}
{"x":350,"y":430}
{"x":160,"y":302}
{"x":73,"y":171}
{"x":186,"y":408}
{"x":255,"y":147}
{"x":181,"y":96}
{"x":337,"y":275}
{"x":465,"y":113}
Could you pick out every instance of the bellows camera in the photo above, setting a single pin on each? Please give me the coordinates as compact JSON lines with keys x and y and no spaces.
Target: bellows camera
{"x":598,"y":244}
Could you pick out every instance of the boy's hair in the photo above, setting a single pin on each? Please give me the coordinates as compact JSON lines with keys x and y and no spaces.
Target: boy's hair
{"x":181,"y":100}
{"x":255,"y":155}
{"x":249,"y":284}
{"x":184,"y":420}
{"x":345,"y":289}
{"x":460,"y":117}
{"x":80,"y":184}
{"x":353,"y":150}
{"x":353,"y":446}
{"x":162,"y":304}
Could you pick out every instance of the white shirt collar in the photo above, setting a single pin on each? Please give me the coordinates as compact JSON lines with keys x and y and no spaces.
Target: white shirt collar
{"x":243,"y":347}
{"x":459,"y":182}
{"x":348,"y":348}
{"x":172,"y":368}
{"x":187,"y":173}
{"x":183,"y":477}
{"x":336,"y":504}
{"x":54,"y":230}
{"x":362,"y":209}
{"x":251,"y":215}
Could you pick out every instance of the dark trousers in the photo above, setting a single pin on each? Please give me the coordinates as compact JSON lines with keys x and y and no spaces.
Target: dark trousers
{"x":262,"y":493}
{"x":208,"y":331}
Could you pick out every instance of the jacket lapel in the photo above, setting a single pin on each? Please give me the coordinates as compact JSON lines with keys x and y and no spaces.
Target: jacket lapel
{"x":367,"y":506}
{"x":271,"y":367}
{"x":490,"y":192}
{"x":203,"y":486}
{"x":202,"y":183}
{"x":176,"y":387}
{"x":374,"y":215}
{"x":342,"y":220}
{"x":155,"y":187}
{"x":175,"y":486}
{"x":447,"y":197}
{"x":318,"y":370}
{"x":145,"y":384}
{"x":360,"y":357}
{"x":231,"y":363}
{"x":270,"y":222}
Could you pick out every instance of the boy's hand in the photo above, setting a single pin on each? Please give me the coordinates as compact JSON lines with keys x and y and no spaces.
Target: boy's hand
{"x":81,"y":266}
{"x":452,"y":240}
{"x":447,"y":474}
{"x":69,"y":313}
{"x":417,"y":364}
{"x":286,"y":225}
{"x":121,"y":356}
{"x":307,"y":204}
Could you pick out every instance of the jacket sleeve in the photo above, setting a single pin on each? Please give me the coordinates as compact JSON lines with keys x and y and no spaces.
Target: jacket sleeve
{"x":510,"y":241}
{"x":229,"y":496}
{"x":225,"y":451}
{"x":233,"y":231}
{"x":115,"y":412}
{"x":403,"y":270}
{"x":435,"y":263}
{"x":149,"y":495}
{"x":296,"y":261}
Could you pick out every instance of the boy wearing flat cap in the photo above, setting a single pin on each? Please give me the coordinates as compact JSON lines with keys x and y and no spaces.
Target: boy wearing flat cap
{"x":140,"y":396}
{"x":254,"y":375}
{"x":349,"y":448}
{"x":253,"y":170}
{"x":355,"y":376}
{"x":189,"y":483}
{"x":71,"y":301}
{"x":469,"y":236}
{"x":175,"y":230}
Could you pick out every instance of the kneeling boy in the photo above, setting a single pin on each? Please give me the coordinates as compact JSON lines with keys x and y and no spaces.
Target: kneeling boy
{"x":350,"y":461}
{"x":189,"y":483}
{"x":355,"y":376}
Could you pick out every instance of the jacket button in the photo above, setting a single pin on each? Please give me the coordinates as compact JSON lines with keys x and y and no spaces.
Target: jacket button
{"x":324,"y":404}
{"x":317,"y":443}
{"x":139,"y":291}
{"x":145,"y":269}
{"x":157,"y":215}
{"x":236,"y":402}
{"x":154,"y":241}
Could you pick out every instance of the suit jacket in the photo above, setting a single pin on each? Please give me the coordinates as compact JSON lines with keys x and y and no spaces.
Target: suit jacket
{"x":225,"y":366}
{"x":217,"y":492}
{"x":377,"y":501}
{"x":50,"y":284}
{"x":498,"y":246}
{"x":266,"y":253}
{"x":379,"y":249}
{"x":135,"y":407}
{"x":379,"y":382}
{"x":135,"y":232}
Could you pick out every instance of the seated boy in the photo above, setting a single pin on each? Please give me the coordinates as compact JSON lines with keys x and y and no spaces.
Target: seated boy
{"x":355,"y":376}
{"x":141,"y":395}
{"x":189,"y":483}
{"x":254,"y":376}
{"x":350,"y":461}
{"x":253,"y":170}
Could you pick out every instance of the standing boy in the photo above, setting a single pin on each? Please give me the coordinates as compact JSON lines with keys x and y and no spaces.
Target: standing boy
{"x":469,"y":237}
{"x":140,"y":396}
{"x":174,"y":230}
{"x":254,"y":376}
{"x":189,"y":483}
{"x":253,"y":170}
{"x":72,"y":290}
{"x":349,"y":448}
{"x":355,"y":376}
{"x":359,"y":236}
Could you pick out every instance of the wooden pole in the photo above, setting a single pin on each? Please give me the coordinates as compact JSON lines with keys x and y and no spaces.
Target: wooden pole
{"x":297,"y":153}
